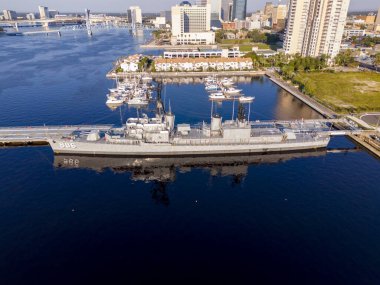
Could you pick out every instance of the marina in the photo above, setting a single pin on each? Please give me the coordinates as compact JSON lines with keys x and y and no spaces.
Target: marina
{"x":159,"y":136}
{"x":197,"y":213}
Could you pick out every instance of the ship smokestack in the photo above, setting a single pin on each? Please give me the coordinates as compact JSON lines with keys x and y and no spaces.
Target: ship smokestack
{"x":216,"y":125}
{"x":169,"y":119}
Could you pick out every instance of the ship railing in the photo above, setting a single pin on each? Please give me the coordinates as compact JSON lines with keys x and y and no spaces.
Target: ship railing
{"x":196,"y":142}
{"x":124,"y":141}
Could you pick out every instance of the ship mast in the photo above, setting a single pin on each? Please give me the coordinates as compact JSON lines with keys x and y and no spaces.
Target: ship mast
{"x":241,"y":113}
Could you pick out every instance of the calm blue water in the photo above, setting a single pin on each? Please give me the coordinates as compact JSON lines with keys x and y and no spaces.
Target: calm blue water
{"x":294,"y":219}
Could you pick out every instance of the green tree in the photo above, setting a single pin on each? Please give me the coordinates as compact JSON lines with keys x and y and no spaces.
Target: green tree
{"x":256,"y":36}
{"x":345,"y":58}
{"x":376,"y":59}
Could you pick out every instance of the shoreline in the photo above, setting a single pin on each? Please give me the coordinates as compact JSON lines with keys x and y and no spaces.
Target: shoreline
{"x":160,"y":75}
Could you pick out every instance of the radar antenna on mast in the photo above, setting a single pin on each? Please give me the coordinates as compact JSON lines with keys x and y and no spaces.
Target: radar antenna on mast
{"x":241,"y":113}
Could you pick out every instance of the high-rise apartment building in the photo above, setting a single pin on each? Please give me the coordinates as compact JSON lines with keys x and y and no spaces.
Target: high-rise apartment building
{"x":315,"y":27}
{"x":377,"y":22}
{"x":226,"y":10}
{"x":191,"y":24}
{"x":239,"y":10}
{"x":268,"y":9}
{"x":216,"y":8}
{"x":44,"y":12}
{"x":190,"y":19}
{"x":9,"y":15}
{"x":134,"y":15}
{"x":278,"y":13}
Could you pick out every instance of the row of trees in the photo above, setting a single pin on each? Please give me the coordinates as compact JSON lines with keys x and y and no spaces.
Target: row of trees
{"x":146,"y":64}
{"x":254,"y":36}
{"x":267,"y":38}
{"x":291,"y":63}
{"x":366,"y":41}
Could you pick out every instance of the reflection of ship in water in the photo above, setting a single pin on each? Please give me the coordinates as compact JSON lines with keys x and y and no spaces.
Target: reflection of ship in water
{"x":164,"y":169}
{"x":161,"y":171}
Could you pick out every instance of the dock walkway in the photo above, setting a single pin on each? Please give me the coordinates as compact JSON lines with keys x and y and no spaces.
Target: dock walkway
{"x":13,"y":136}
{"x":160,"y":75}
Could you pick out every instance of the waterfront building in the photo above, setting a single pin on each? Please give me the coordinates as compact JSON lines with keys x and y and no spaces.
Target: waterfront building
{"x":131,"y":63}
{"x":30,"y":16}
{"x":134,"y":15}
{"x":9,"y":15}
{"x":239,"y":9}
{"x":315,"y":27}
{"x":205,"y":38}
{"x":203,"y":64}
{"x":230,"y":53}
{"x":191,"y":24}
{"x":159,"y":22}
{"x":44,"y":12}
{"x":53,"y":13}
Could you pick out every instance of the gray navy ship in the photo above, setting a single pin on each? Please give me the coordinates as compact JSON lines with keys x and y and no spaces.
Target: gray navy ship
{"x":158,"y":136}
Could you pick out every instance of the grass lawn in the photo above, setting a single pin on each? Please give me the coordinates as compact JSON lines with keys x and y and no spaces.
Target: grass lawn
{"x":238,"y":41}
{"x":243,"y":45}
{"x":261,"y":45}
{"x":343,"y":91}
{"x":246,"y":48}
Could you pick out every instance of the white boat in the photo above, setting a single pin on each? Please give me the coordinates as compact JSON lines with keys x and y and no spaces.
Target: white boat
{"x":146,"y":78}
{"x":210,"y":79}
{"x":114,"y":100}
{"x":217,"y":96}
{"x":246,"y":99}
{"x":211,"y":87}
{"x":232,"y":91}
{"x":137,"y":101}
{"x":227,"y":82}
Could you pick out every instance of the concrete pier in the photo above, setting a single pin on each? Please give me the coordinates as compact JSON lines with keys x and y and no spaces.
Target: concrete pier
{"x":161,"y":75}
{"x":324,"y":111}
{"x":37,"y":135}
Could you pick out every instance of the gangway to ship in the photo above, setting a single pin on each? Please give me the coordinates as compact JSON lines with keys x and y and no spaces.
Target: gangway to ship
{"x":40,"y":134}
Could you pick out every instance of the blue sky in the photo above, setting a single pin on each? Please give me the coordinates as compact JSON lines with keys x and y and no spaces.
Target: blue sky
{"x":146,"y":5}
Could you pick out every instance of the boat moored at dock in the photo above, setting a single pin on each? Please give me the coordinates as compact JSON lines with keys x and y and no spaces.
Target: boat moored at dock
{"x":158,"y":136}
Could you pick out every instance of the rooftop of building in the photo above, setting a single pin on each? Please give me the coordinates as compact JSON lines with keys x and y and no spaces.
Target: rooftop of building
{"x":200,"y":60}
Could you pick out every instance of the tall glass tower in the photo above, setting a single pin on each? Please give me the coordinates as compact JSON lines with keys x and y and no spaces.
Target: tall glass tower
{"x":239,"y":10}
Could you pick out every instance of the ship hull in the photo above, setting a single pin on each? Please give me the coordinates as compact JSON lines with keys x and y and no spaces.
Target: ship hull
{"x":151,"y":150}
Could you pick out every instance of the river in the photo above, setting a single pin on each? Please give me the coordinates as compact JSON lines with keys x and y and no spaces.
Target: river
{"x":309,"y":218}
